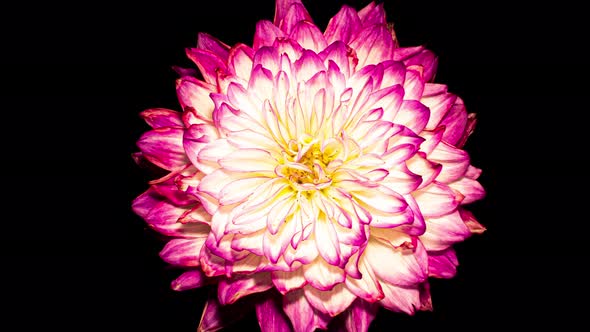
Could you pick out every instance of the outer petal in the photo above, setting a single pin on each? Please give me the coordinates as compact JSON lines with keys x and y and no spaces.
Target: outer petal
{"x":397,"y":266}
{"x":207,"y":42}
{"x":208,"y":62}
{"x":188,"y":280}
{"x":343,"y":26}
{"x":161,"y":117}
{"x":471,"y":189}
{"x":441,"y":232}
{"x":271,"y":316}
{"x":215,"y":316}
{"x":442,"y":264}
{"x":230,"y":290}
{"x":163,"y":147}
{"x":358,"y":317}
{"x":373,"y":45}
{"x":266,"y":34}
{"x":309,"y":36}
{"x":401,"y":299}
{"x":183,"y":252}
{"x":304,"y":317}
{"x":194,"y":93}
{"x":331,"y":302}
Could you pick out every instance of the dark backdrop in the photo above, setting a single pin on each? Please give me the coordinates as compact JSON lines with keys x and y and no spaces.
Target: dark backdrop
{"x":75,"y":76}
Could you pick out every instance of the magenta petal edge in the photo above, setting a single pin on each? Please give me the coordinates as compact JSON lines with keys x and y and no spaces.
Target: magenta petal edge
{"x":313,"y":177}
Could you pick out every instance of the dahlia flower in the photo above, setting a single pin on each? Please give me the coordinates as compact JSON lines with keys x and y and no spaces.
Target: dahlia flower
{"x":324,"y":171}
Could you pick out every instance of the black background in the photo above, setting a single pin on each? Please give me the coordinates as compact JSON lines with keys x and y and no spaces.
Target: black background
{"x":75,"y":76}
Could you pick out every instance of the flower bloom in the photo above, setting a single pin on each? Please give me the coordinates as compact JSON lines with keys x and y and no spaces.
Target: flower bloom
{"x":323,"y":169}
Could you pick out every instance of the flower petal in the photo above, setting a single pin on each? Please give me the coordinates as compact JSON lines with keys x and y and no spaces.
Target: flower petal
{"x":401,"y":266}
{"x":163,"y":147}
{"x":418,"y":56}
{"x":303,"y":316}
{"x":372,"y":14}
{"x":294,"y":14}
{"x":161,"y":117}
{"x":183,"y":252}
{"x":358,"y":317}
{"x":208,"y":62}
{"x":271,"y":316}
{"x":266,"y":34}
{"x":288,"y":281}
{"x":470,"y":189}
{"x":309,"y":36}
{"x":343,"y":26}
{"x":413,"y":115}
{"x":188,"y":280}
{"x":321,"y":275}
{"x":454,"y":162}
{"x":442,"y":232}
{"x":331,"y":302}
{"x":373,"y":45}
{"x":216,"y":316}
{"x":436,"y":200}
{"x":455,"y":122}
{"x":230,"y":290}
{"x":207,"y":42}
{"x":401,"y":299}
{"x":194,"y":93}
{"x":442,"y":264}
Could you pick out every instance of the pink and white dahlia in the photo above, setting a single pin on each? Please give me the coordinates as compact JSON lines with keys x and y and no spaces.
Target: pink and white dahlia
{"x":323,"y":170}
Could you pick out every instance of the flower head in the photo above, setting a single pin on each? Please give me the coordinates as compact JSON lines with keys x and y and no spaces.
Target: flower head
{"x":325,"y":166}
